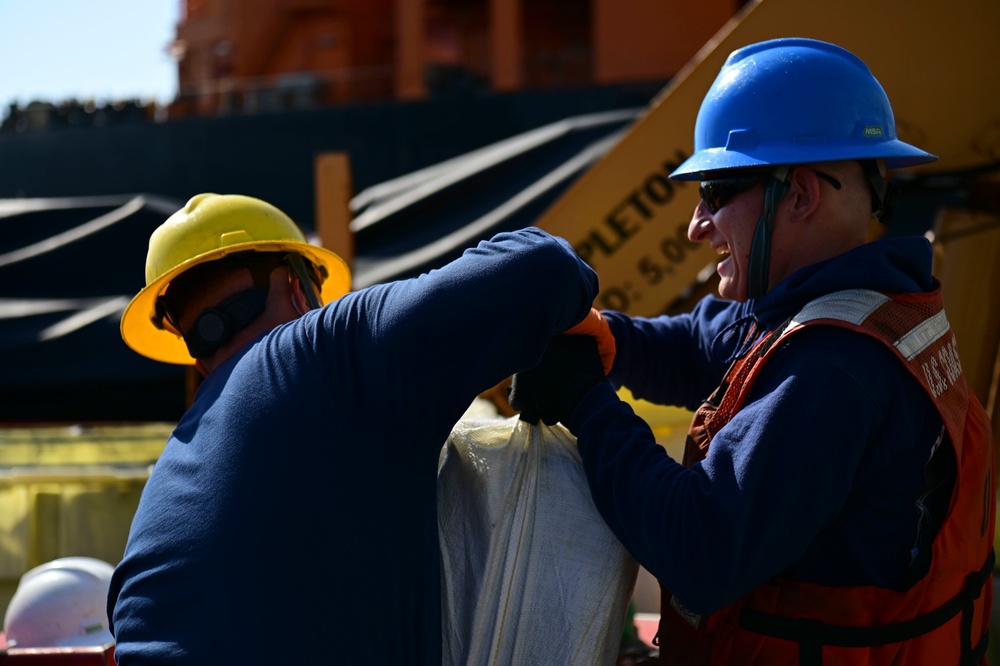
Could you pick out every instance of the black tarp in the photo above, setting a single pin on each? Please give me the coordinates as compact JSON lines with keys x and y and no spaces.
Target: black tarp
{"x":271,"y":155}
{"x":68,"y":266}
{"x":411,"y":224}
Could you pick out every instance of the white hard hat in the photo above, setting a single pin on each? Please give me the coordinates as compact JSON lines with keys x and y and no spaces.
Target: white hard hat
{"x":62,"y":603}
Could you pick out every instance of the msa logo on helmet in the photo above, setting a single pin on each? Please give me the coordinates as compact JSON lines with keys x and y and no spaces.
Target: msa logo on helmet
{"x":872,"y":131}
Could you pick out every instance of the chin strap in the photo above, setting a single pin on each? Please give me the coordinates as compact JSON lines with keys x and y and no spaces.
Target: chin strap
{"x":775,"y":189}
{"x":216,"y":326}
{"x":298,"y":265}
{"x":885,"y":196}
{"x":885,"y":193}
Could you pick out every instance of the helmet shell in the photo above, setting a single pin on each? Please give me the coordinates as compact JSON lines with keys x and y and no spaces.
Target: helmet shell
{"x":210,"y":227}
{"x":62,"y":603}
{"x":794,"y":101}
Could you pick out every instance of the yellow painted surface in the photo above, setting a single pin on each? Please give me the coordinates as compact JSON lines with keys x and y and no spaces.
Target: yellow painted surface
{"x":669,"y":424}
{"x":70,"y":491}
{"x":629,"y":221}
{"x":967,"y":261}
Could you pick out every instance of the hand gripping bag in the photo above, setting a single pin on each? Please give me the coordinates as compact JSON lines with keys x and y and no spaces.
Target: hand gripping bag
{"x":530,"y":572}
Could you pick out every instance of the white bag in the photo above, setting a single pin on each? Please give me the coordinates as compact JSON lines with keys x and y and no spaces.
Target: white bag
{"x":530,"y":572}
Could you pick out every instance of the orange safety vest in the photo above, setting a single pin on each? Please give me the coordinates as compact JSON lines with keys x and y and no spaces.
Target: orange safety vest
{"x":943,"y":615}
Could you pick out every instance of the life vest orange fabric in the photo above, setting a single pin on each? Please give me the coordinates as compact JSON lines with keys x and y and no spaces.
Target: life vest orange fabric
{"x":943,"y":615}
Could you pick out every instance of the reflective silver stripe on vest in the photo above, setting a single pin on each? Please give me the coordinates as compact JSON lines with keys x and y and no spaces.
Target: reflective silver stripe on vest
{"x":852,"y":305}
{"x":923,"y":335}
{"x":856,"y":305}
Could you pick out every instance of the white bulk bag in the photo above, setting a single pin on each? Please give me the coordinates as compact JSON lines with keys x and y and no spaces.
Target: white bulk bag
{"x":530,"y":572}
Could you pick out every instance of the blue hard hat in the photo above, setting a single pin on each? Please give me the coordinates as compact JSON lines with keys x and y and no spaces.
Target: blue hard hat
{"x":794,"y":101}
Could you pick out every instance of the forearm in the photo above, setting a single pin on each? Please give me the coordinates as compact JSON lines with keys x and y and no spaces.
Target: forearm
{"x":661,"y":360}
{"x":639,"y":490}
{"x":684,"y":527}
{"x":715,"y":531}
{"x":509,"y":295}
{"x":434,"y":342}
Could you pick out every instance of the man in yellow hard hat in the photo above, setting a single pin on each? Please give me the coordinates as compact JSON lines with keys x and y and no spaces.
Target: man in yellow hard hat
{"x":292,"y":516}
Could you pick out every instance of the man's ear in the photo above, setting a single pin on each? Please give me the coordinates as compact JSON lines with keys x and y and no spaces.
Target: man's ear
{"x":803,"y":195}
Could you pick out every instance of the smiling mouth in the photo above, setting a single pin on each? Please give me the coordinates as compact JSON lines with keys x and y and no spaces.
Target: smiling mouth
{"x":722,"y":252}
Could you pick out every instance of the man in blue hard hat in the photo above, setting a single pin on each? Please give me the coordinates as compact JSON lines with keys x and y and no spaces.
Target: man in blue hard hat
{"x":836,"y":496}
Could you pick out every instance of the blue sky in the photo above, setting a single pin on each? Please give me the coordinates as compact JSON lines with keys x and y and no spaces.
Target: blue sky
{"x":54,"y":50}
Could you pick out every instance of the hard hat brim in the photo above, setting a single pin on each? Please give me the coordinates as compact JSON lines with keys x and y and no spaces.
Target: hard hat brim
{"x":897,"y":154}
{"x":141,"y":334}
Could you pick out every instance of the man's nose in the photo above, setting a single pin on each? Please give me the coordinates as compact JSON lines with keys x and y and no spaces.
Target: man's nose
{"x":701,"y":223}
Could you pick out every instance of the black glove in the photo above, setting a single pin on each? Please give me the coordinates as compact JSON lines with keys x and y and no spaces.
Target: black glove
{"x":551,"y":390}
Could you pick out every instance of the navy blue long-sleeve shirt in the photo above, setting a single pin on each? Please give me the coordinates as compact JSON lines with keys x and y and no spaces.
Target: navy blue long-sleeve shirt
{"x":820,"y":477}
{"x":292,"y":516}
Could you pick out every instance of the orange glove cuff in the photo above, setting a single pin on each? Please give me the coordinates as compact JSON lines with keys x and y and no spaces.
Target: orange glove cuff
{"x":596,"y":326}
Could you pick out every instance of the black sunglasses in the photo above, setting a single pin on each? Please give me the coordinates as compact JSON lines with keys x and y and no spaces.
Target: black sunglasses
{"x":717,"y":193}
{"x":720,"y":191}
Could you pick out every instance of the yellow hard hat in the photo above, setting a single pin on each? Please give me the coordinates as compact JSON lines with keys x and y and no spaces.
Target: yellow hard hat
{"x":210,"y":227}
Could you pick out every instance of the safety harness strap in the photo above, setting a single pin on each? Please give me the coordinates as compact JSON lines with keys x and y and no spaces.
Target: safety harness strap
{"x":812,"y":635}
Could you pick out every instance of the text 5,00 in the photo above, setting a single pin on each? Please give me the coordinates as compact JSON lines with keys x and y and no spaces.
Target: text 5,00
{"x":652,"y":269}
